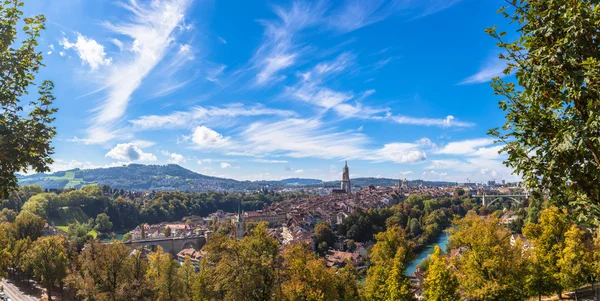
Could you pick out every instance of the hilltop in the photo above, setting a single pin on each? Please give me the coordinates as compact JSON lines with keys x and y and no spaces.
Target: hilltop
{"x":175,"y":177}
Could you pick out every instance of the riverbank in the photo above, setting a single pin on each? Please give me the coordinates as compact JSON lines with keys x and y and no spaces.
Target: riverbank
{"x":441,"y":241}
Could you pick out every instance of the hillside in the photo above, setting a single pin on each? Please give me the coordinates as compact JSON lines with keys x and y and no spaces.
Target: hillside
{"x":175,"y":177}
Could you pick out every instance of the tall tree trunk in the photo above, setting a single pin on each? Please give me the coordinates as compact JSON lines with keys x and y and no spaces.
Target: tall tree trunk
{"x":595,"y":291}
{"x":49,"y":293}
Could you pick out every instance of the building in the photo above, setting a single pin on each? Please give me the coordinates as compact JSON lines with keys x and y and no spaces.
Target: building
{"x":239,"y":224}
{"x":345,"y":186}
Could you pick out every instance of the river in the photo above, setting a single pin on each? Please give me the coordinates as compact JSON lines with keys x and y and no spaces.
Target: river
{"x":442,"y":241}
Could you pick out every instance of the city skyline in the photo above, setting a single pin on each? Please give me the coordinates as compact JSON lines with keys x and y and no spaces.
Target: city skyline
{"x":303,"y":87}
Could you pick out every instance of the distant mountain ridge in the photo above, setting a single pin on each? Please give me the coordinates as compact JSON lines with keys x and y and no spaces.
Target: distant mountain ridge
{"x":175,"y":177}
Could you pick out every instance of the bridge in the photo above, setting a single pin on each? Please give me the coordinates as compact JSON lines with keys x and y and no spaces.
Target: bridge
{"x":171,"y":244}
{"x":515,"y":198}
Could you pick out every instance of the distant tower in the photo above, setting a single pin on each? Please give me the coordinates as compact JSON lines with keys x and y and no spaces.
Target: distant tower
{"x":239,"y":224}
{"x":346,"y":180}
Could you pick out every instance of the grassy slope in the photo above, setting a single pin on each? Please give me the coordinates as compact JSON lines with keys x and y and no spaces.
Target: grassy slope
{"x":70,"y":176}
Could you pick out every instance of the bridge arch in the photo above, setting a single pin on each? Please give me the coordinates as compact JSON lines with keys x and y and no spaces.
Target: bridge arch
{"x":510,"y":198}
{"x":189,"y":244}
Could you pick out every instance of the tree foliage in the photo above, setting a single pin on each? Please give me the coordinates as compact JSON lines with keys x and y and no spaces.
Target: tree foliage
{"x":49,"y":260}
{"x":440,"y":283}
{"x":552,"y":129}
{"x":24,"y":136}
{"x":489,"y":268}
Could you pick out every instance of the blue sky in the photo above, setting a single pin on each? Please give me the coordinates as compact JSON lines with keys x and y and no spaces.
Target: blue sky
{"x":271,"y":90}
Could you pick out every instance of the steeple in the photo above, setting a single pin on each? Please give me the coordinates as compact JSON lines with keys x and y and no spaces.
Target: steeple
{"x":239,"y":223}
{"x":345,"y":184}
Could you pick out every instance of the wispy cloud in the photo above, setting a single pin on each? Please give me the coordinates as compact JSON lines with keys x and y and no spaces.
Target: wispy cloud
{"x":278,"y":50}
{"x":181,"y":119}
{"x":355,"y":14}
{"x":270,"y":161}
{"x":447,"y":122}
{"x":151,"y":31}
{"x":465,"y":146}
{"x":492,"y":68}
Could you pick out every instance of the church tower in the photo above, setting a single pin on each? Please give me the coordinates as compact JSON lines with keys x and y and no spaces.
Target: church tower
{"x":239,"y":223}
{"x":346,"y":186}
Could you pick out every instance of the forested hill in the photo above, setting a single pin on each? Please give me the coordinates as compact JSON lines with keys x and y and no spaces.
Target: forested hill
{"x":174,"y":177}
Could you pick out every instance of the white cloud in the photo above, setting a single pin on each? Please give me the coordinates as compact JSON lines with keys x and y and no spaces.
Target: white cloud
{"x":61,"y":53}
{"x":225,"y":165}
{"x":269,"y":161}
{"x":299,"y":138}
{"x":299,"y":171}
{"x":449,"y":121}
{"x":143,"y":143}
{"x":129,"y":152}
{"x":493,"y":68}
{"x":207,"y":138}
{"x":51,"y":46}
{"x":90,"y":52}
{"x":223,"y":41}
{"x":400,"y":153}
{"x":49,"y":52}
{"x":465,"y":147}
{"x":204,"y":161}
{"x":278,"y":50}
{"x":180,"y":119}
{"x":213,"y":73}
{"x":61,"y":165}
{"x":176,"y":158}
{"x":151,"y":32}
{"x":355,"y":14}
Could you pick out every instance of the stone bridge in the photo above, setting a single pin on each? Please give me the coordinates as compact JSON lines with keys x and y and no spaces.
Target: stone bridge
{"x":171,"y":244}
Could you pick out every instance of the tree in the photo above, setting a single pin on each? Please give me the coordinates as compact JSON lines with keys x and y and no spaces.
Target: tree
{"x":103,"y":223}
{"x":167,"y":231}
{"x":49,"y":261}
{"x":5,"y":240}
{"x":440,"y":283}
{"x":29,"y":225}
{"x":548,"y":240}
{"x":385,"y":278}
{"x":24,"y":138}
{"x":187,"y":276}
{"x":489,"y":268}
{"x":103,"y":272}
{"x":243,"y":269}
{"x":551,"y":132}
{"x":78,"y":234}
{"x":162,"y":273}
{"x":306,"y":276}
{"x":574,"y":260}
{"x":7,"y":215}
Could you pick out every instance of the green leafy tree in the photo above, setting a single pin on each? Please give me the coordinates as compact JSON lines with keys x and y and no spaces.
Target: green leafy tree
{"x":24,"y":137}
{"x":29,"y":225}
{"x":167,"y":231}
{"x":548,"y":240}
{"x":440,"y":283}
{"x":49,"y":261}
{"x":162,"y":273}
{"x":385,"y":278}
{"x":103,"y":273}
{"x":187,"y":277}
{"x":552,"y":116}
{"x":306,"y":277}
{"x":489,"y":268}
{"x":103,"y":223}
{"x":574,"y":259}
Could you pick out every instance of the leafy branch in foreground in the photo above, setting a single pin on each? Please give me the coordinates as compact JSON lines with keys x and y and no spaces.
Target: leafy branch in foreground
{"x":24,"y":137}
{"x":552,"y":129}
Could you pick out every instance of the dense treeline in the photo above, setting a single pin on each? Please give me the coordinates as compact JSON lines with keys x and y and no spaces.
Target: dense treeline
{"x":423,"y":217}
{"x":127,"y":210}
{"x":253,"y":268}
{"x":555,"y":255}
